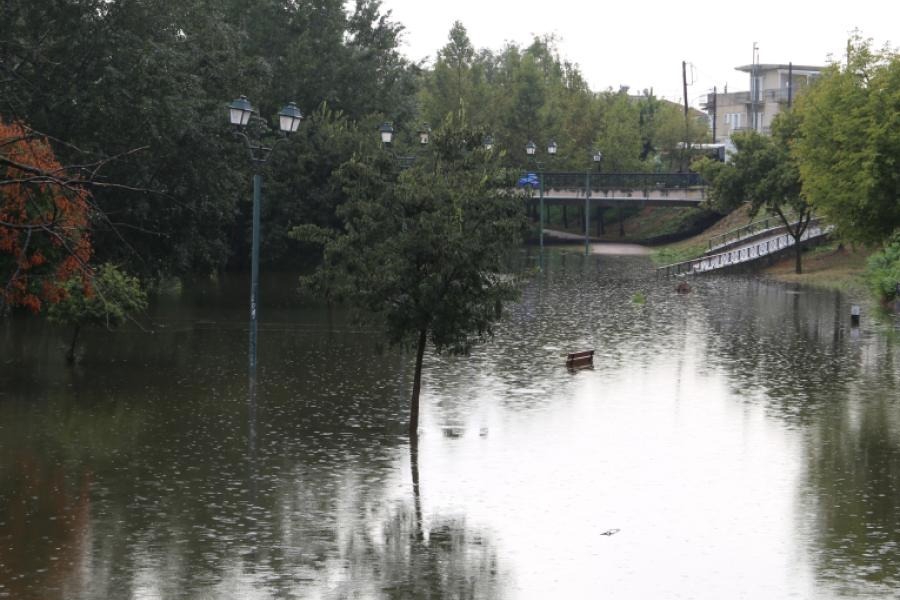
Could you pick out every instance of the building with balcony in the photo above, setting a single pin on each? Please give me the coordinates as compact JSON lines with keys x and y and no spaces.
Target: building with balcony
{"x":772,"y":88}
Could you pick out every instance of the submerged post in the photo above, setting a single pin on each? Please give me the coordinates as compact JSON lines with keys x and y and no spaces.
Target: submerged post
{"x":254,"y":267}
{"x":587,"y":212}
{"x":541,"y":181}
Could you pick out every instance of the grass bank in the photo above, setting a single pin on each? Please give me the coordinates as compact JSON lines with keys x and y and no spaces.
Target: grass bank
{"x":832,"y":266}
{"x":695,"y":245}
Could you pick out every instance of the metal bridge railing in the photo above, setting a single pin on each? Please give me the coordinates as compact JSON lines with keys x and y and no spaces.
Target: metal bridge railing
{"x":743,"y":254}
{"x":614,"y":181}
{"x":747,"y":231}
{"x":736,"y":235}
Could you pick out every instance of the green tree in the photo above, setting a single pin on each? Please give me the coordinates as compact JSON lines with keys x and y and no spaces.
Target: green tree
{"x":110,"y":76}
{"x":849,"y":148}
{"x":619,"y":134}
{"x":449,"y":86}
{"x":762,"y":172}
{"x":110,"y":297}
{"x":671,"y":132}
{"x":424,"y":255}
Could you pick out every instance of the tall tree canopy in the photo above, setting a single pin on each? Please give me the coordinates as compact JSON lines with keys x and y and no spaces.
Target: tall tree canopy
{"x":849,"y":148}
{"x":530,"y":93}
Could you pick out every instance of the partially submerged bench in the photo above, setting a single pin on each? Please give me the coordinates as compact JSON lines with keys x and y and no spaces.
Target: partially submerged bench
{"x":585,"y":358}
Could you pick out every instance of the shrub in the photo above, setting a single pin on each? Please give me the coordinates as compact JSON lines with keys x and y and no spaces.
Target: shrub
{"x":883,"y":271}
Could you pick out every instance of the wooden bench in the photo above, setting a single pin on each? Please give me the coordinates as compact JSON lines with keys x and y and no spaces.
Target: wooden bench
{"x":580,"y":359}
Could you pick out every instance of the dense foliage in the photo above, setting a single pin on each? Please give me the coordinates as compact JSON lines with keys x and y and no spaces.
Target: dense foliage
{"x":848,"y":149}
{"x":109,"y":298}
{"x":44,"y":218}
{"x":521,"y":94}
{"x":883,"y":271}
{"x":151,"y":78}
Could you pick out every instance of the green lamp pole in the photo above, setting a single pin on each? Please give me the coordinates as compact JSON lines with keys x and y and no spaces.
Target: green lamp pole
{"x":240,"y":112}
{"x":597,"y":158}
{"x":531,"y":151}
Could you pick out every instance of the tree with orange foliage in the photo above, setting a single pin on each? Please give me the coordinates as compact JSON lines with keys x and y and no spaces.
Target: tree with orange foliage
{"x":45,"y":216}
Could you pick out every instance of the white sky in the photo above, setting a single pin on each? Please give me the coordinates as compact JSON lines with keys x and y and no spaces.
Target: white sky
{"x":641,"y":43}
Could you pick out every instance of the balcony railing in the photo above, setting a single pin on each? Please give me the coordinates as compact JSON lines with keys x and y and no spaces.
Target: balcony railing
{"x":779,"y":95}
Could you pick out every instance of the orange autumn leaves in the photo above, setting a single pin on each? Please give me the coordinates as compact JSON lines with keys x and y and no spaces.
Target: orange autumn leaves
{"x":44,"y":221}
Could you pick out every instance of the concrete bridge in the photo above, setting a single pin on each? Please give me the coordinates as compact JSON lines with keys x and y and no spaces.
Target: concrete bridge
{"x":617,"y":189}
{"x":610,"y":189}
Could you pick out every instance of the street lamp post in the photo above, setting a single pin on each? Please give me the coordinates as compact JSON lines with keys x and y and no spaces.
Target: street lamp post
{"x":240,"y":113}
{"x":597,"y":157}
{"x":531,"y":151}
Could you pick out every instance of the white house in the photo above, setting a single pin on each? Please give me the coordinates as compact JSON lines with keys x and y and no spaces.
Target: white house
{"x":772,"y":87}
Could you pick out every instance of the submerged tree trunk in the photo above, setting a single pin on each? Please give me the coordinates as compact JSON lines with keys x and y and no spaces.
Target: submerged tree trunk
{"x":70,"y":355}
{"x":417,"y":385}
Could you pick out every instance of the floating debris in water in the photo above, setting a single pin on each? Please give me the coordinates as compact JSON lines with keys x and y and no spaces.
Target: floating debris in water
{"x":611,"y":532}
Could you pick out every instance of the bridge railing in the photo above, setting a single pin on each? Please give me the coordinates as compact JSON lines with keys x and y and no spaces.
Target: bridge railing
{"x":747,"y":231}
{"x":751,"y":251}
{"x":619,"y":181}
{"x":736,"y":235}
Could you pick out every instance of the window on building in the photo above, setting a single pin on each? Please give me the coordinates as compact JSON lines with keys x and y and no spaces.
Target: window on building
{"x":733,"y":120}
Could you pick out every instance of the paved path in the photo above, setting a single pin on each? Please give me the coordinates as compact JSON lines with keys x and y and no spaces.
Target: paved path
{"x":610,"y":248}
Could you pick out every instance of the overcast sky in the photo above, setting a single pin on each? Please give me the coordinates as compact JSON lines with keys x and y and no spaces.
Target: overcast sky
{"x":641,"y":43}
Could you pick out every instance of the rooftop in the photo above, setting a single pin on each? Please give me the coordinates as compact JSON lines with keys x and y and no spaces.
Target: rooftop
{"x":798,"y":69}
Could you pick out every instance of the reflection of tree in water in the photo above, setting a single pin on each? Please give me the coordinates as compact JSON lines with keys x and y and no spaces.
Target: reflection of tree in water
{"x":44,"y":514}
{"x":191,"y":507}
{"x":853,"y":490}
{"x":406,"y":558}
{"x":444,"y":561}
{"x":793,"y":347}
{"x":799,"y":351}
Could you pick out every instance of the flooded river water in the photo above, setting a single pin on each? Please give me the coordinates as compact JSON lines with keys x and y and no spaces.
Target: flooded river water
{"x":738,"y":441}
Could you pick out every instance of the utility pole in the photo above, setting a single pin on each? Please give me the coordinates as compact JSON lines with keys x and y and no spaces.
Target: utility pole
{"x":684,"y":84}
{"x":790,"y":83}
{"x":754,"y":89}
{"x":714,"y":115}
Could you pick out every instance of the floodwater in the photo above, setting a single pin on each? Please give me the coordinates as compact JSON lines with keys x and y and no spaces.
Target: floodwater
{"x":738,"y":441}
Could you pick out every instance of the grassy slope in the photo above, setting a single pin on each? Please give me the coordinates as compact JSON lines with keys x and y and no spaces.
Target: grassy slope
{"x":695,"y":246}
{"x":830,"y":266}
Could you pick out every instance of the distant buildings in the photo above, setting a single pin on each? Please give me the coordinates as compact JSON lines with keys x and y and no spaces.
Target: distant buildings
{"x":772,"y":87}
